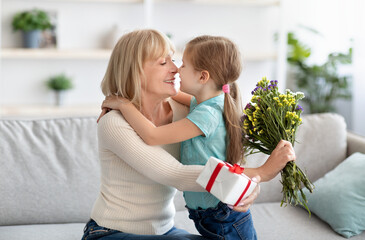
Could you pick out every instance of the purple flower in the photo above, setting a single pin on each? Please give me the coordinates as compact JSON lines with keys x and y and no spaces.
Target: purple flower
{"x":256,"y":88}
{"x":299,"y":108}
{"x":274,"y":82}
{"x":243,"y":118}
{"x":248,"y":106}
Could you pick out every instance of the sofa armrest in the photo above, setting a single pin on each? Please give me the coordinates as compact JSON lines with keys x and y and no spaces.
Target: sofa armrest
{"x":355,"y":143}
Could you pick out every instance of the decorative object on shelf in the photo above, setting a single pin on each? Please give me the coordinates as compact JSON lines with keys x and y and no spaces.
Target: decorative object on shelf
{"x":31,"y":23}
{"x":49,"y":36}
{"x":112,"y":36}
{"x":59,"y":84}
{"x":322,"y":84}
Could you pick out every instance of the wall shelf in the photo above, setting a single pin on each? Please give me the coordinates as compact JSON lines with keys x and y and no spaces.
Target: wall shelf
{"x":89,"y":1}
{"x":95,"y":54}
{"x":247,"y":3}
{"x":48,"y":53}
{"x":41,"y":111}
{"x":252,"y":3}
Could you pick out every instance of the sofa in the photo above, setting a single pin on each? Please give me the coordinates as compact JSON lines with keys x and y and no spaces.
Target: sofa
{"x":49,"y":179}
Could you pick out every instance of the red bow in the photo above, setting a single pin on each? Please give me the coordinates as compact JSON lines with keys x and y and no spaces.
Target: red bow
{"x":236,"y":169}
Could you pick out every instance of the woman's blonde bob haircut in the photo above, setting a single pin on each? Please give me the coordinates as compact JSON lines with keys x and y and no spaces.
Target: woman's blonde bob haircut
{"x":125,"y":69}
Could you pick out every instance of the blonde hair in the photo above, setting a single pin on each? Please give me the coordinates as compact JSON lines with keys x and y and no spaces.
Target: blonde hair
{"x":221,"y":58}
{"x":125,"y":69}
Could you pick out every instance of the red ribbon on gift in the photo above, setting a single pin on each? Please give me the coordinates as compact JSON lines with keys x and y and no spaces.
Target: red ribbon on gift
{"x":234,"y":169}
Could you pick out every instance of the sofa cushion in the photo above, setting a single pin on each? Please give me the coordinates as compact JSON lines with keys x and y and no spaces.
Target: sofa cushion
{"x":320,"y":147}
{"x":339,"y":197}
{"x":273,"y":222}
{"x":73,"y":231}
{"x":49,"y":170}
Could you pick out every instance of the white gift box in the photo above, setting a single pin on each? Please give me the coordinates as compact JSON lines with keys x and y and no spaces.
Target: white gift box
{"x":225,"y":182}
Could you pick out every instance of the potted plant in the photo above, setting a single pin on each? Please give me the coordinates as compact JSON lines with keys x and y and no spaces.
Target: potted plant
{"x":322,"y":84}
{"x":31,"y":23}
{"x":59,"y":84}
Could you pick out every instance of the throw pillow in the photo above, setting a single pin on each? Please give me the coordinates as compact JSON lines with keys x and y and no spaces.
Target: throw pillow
{"x":339,"y":197}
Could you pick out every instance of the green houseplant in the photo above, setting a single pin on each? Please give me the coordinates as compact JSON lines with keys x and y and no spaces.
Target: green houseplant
{"x":31,"y":23}
{"x":321,"y":83}
{"x":59,"y":84}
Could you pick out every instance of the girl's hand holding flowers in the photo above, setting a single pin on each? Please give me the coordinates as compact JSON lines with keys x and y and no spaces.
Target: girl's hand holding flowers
{"x":280,"y":156}
{"x":269,"y":118}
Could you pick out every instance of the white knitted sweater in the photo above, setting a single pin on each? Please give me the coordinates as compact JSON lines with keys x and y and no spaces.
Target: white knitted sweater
{"x":138,"y":181}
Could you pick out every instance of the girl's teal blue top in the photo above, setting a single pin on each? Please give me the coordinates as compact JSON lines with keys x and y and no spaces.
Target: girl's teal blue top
{"x":208,"y":117}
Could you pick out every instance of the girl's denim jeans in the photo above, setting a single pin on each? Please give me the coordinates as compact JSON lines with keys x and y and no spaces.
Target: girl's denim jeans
{"x":223,"y":223}
{"x":93,"y":231}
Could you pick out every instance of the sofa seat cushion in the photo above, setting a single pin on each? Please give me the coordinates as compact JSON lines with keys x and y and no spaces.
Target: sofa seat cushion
{"x":49,"y":170}
{"x":273,"y":222}
{"x":73,"y":231}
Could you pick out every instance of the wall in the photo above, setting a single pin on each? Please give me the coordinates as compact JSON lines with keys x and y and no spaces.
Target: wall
{"x":340,"y":24}
{"x":359,"y":70}
{"x":84,"y":25}
{"x":90,"y":25}
{"x":81,"y":25}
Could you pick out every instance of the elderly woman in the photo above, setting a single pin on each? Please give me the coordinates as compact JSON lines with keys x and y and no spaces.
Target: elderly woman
{"x":138,"y":181}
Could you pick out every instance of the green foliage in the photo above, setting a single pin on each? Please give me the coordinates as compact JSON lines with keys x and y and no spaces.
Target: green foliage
{"x":320,"y":83}
{"x":59,"y":82}
{"x":31,"y":20}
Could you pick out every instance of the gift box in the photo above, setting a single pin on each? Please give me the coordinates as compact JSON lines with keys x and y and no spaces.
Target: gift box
{"x":225,"y":182}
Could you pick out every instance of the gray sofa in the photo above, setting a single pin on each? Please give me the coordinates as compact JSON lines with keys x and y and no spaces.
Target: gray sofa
{"x":49,"y":179}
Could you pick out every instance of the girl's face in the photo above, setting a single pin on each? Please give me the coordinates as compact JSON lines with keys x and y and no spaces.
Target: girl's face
{"x":189,"y":77}
{"x":160,"y":77}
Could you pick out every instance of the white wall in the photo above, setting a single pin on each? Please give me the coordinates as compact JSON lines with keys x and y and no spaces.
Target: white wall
{"x":90,"y":25}
{"x":359,"y":70}
{"x":338,"y":21}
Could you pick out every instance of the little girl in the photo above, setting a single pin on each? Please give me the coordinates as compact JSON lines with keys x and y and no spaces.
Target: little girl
{"x":211,"y":66}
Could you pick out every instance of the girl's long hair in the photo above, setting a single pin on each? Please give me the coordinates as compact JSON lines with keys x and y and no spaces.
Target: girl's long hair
{"x":221,"y":58}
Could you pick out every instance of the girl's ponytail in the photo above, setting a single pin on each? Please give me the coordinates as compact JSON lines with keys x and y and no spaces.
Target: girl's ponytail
{"x":232,"y":113}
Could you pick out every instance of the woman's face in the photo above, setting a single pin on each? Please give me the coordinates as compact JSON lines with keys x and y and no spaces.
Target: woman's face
{"x":160,"y":77}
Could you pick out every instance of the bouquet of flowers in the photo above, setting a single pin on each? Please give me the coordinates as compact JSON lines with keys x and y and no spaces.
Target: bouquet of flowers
{"x":268,"y":118}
